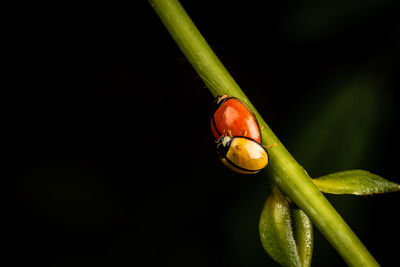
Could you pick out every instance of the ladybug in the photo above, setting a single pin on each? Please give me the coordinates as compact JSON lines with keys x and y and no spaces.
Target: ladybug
{"x":242,"y":154}
{"x":232,"y":117}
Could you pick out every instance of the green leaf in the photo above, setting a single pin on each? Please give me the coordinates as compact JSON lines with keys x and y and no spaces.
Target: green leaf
{"x":276,"y":230}
{"x":303,"y":233}
{"x":286,"y":234}
{"x":357,"y":182}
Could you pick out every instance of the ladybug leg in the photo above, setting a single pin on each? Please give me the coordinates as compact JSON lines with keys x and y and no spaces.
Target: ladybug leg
{"x":270,"y":146}
{"x":217,"y":141}
{"x":219,"y":98}
{"x":227,"y":132}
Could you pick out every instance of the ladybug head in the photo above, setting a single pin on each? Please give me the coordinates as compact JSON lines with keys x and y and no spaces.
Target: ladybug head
{"x":223,"y":144}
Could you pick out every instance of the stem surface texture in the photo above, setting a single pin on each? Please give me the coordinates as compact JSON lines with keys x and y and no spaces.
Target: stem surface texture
{"x":283,"y":169}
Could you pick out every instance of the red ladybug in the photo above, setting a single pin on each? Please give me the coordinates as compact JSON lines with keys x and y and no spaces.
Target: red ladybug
{"x":232,"y":117}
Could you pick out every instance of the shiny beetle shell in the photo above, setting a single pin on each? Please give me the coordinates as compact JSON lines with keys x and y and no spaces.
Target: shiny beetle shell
{"x":233,"y":117}
{"x":242,"y":154}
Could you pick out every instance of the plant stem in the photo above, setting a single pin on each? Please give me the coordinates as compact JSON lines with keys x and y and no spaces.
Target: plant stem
{"x":285,"y":172}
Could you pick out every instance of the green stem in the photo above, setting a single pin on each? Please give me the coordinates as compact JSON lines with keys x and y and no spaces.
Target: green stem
{"x":291,"y":178}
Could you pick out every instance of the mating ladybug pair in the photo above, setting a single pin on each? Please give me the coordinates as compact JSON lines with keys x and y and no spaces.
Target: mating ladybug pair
{"x":236,"y":128}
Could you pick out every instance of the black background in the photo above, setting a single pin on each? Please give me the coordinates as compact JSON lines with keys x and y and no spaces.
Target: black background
{"x":107,"y":155}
